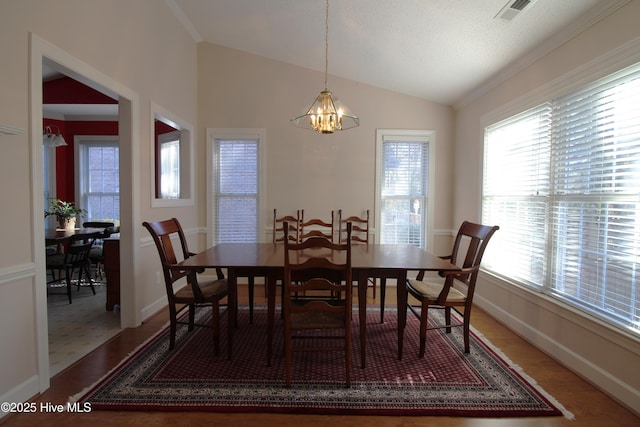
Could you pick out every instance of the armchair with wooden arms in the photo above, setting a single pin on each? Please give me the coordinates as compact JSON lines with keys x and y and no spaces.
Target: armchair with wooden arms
{"x":195,"y":293}
{"x":459,"y":286}
{"x":318,"y":299}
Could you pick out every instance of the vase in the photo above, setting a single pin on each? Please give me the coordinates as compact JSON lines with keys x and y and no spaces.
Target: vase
{"x":67,"y":223}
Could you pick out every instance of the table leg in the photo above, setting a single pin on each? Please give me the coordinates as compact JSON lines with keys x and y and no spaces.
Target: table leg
{"x":232,"y":311}
{"x":362,"y":311}
{"x":401,"y":288}
{"x":271,"y":309}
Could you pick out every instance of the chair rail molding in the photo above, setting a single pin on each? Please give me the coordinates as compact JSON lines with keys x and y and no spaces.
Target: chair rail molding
{"x":17,"y":272}
{"x":9,"y":130}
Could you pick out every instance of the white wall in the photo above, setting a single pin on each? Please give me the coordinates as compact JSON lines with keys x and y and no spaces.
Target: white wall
{"x":593,"y":349}
{"x":138,"y":47}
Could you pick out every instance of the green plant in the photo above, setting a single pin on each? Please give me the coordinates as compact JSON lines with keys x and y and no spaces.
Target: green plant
{"x":64,"y":210}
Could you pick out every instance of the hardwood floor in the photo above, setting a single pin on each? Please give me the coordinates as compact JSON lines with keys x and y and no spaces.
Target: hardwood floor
{"x":589,"y":406}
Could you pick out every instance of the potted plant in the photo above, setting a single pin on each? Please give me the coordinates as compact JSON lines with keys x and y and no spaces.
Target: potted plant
{"x":65,"y":212}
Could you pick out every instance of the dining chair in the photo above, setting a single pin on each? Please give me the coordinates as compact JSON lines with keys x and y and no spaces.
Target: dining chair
{"x":96,"y":255}
{"x":458,"y":288}
{"x":316,"y":227}
{"x":195,"y":293}
{"x":278,"y":226}
{"x":278,"y":231}
{"x":318,"y":299}
{"x":75,"y":258}
{"x":359,"y":234}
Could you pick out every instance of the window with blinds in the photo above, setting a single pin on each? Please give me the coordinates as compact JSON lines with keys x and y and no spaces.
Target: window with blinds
{"x":99,"y":180}
{"x":235,"y":188}
{"x":404,"y":189}
{"x":563,"y":182}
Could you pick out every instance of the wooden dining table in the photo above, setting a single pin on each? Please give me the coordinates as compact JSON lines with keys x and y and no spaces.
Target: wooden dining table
{"x":55,"y":236}
{"x":367,"y":261}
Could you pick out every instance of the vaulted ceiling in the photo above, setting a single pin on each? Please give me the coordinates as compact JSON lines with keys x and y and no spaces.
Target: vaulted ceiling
{"x":440,"y":50}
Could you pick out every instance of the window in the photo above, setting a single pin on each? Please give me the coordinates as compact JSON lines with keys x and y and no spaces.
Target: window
{"x":403,"y":186}
{"x":169,"y":165}
{"x":49,"y":179}
{"x":563,"y":182}
{"x":99,"y":178}
{"x":236,"y":184}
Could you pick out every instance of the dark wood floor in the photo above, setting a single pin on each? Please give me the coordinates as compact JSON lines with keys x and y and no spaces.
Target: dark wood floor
{"x":589,"y":406}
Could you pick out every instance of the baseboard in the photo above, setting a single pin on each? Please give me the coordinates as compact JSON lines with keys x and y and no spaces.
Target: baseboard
{"x":21,"y":393}
{"x":153,"y":308}
{"x":616,"y":387}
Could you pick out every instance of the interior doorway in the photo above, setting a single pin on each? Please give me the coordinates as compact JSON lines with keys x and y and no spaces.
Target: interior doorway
{"x":41,"y":52}
{"x":77,"y":111}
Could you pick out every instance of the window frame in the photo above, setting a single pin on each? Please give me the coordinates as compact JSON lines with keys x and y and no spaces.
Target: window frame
{"x":214,"y":134}
{"x":172,"y":139}
{"x":80,"y":144}
{"x":408,"y":135}
{"x":596,"y":75}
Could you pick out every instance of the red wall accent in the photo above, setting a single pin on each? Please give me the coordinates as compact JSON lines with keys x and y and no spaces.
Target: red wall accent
{"x":65,"y":90}
{"x":65,"y":156}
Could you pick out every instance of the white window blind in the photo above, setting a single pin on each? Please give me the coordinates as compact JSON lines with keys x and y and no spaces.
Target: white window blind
{"x":588,"y":221}
{"x":99,"y":181}
{"x":404,"y":189}
{"x":516,"y":192}
{"x":236,"y":190}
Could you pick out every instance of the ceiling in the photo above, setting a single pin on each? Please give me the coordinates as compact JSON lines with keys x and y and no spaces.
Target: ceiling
{"x":439,"y":50}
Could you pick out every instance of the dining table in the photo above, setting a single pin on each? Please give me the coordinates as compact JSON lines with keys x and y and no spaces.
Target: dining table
{"x":386,"y":261}
{"x":54,"y":236}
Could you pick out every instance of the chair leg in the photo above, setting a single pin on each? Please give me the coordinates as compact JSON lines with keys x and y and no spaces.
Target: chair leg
{"x":192,"y":316}
{"x":215,"y":325}
{"x":383,"y":294}
{"x":466,"y":320}
{"x":251,"y":290}
{"x":347,"y":346}
{"x":87,"y":271}
{"x":68,"y":274}
{"x":424,"y":312}
{"x":447,"y":319}
{"x":172,"y":327}
{"x":287,"y":355}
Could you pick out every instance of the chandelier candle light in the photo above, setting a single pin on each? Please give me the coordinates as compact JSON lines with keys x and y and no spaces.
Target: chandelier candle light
{"x":326,"y":114}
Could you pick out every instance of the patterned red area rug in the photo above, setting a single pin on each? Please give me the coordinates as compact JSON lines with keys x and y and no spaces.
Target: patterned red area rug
{"x":446,"y":382}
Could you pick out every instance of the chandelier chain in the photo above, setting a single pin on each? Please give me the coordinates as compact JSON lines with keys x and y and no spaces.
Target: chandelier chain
{"x":326,"y":45}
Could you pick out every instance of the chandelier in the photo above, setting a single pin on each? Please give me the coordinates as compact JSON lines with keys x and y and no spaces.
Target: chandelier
{"x":326,"y":114}
{"x":51,"y":138}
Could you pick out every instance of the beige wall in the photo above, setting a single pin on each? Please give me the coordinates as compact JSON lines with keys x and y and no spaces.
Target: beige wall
{"x":140,"y":50}
{"x":305,"y":170}
{"x":593,"y":349}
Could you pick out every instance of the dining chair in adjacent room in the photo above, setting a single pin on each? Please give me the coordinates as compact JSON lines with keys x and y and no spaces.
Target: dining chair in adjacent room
{"x":318,"y":299}
{"x":195,"y":293}
{"x":458,"y":288}
{"x":74,"y":259}
{"x":96,"y":254}
{"x":316,"y":227}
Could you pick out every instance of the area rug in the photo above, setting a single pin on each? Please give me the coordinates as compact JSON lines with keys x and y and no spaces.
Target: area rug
{"x":445,"y":382}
